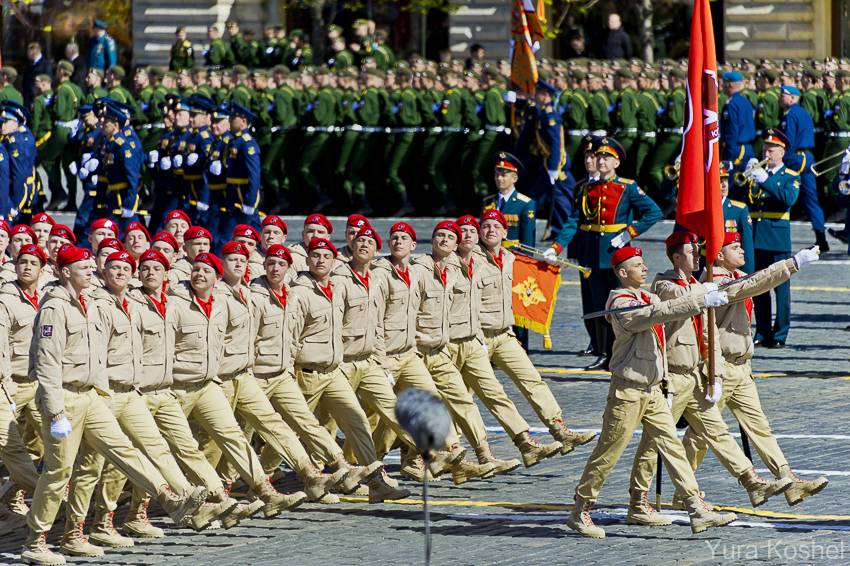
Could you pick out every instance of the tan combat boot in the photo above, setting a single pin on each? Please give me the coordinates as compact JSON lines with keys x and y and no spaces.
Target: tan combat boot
{"x":180,"y":507}
{"x":17,"y":502}
{"x":277,"y":502}
{"x":104,"y":533}
{"x":499,"y":466}
{"x":532,"y":452}
{"x":703,"y":518}
{"x":317,"y":484}
{"x":642,"y":513}
{"x":380,"y":490}
{"x":74,"y":540}
{"x":443,"y":460}
{"x":580,"y":520}
{"x":759,"y":489}
{"x":413,"y":467}
{"x":680,"y":501}
{"x":11,"y":522}
{"x":355,"y":475}
{"x":36,"y":551}
{"x":801,"y":489}
{"x":465,"y":470}
{"x":137,"y":522}
{"x":569,"y":439}
{"x":209,"y":512}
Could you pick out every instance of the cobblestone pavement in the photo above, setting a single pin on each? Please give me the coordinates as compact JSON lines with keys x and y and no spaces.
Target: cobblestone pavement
{"x":519,"y":518}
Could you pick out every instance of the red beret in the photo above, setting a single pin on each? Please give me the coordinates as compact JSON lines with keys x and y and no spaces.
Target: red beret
{"x":447,"y":225}
{"x":32,"y":249}
{"x":279,"y":251}
{"x":495,"y":214}
{"x":731,"y":238}
{"x":154,"y":255}
{"x":42,"y":217}
{"x":275,"y":221}
{"x":369,"y":233}
{"x":358,"y":220}
{"x":403,"y":227}
{"x":70,"y":253}
{"x":246,"y":231}
{"x":168,"y":238}
{"x":625,"y":253}
{"x":197,"y":232}
{"x":24,"y":229}
{"x":212,"y":261}
{"x":317,"y":218}
{"x":179,"y":215}
{"x":468,"y":220}
{"x":113,"y":243}
{"x":62,"y":231}
{"x":107,"y":223}
{"x":321,"y":244}
{"x":5,"y":227}
{"x":122,"y":256}
{"x":681,"y":238}
{"x":234,"y":248}
{"x":137,"y":226}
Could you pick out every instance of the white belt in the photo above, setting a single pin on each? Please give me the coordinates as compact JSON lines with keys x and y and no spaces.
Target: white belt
{"x":628,"y":130}
{"x":838,"y":134}
{"x":647,"y":134}
{"x":490,"y":128}
{"x":68,"y":124}
{"x":673,"y":130}
{"x":580,"y":133}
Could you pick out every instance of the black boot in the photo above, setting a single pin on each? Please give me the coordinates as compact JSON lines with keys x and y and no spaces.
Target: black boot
{"x":820,"y":241}
{"x":601,"y":363}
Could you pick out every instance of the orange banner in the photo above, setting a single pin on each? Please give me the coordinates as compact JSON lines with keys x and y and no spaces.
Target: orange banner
{"x":535,"y":291}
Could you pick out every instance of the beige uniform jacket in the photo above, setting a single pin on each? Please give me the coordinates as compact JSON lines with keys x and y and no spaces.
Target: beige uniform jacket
{"x":464,"y":310}
{"x":198,"y":340}
{"x":123,"y":335}
{"x":497,"y":311}
{"x":637,"y":356}
{"x":17,"y":314}
{"x":181,"y":270}
{"x":157,"y":345}
{"x":432,"y":320}
{"x":299,"y":259}
{"x":273,"y":339}
{"x":8,"y":275}
{"x":362,"y":317}
{"x":733,"y":320}
{"x":400,"y":304}
{"x":65,"y":348}
{"x":256,"y":265}
{"x":316,"y":325}
{"x":238,"y":340}
{"x":683,"y":345}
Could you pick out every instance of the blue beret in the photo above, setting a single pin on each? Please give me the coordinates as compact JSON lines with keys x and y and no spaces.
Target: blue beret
{"x":790,"y":89}
{"x":11,"y":110}
{"x":180,"y":103}
{"x":99,"y":24}
{"x":733,"y":76}
{"x":239,"y":110}
{"x":201,"y":103}
{"x":543,"y":85}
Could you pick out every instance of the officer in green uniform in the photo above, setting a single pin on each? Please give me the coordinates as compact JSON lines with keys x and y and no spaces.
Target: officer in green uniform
{"x":42,"y":122}
{"x":575,"y":116}
{"x":670,"y":123}
{"x":494,"y":125}
{"x":263,"y":108}
{"x":625,"y":119}
{"x":241,"y":93}
{"x":319,"y":119}
{"x":284,"y":118}
{"x":63,"y":112}
{"x":368,"y":117}
{"x":768,"y":113}
{"x":219,"y":53}
{"x":407,"y":120}
{"x":241,"y":49}
{"x":117,"y":91}
{"x":836,"y":120}
{"x":349,"y":99}
{"x":600,"y":106}
{"x":649,"y":106}
{"x":271,"y":51}
{"x":94,"y":86}
{"x":182,"y":53}
{"x":340,"y":57}
{"x":384,"y":56}
{"x":8,"y":90}
{"x":442,"y":167}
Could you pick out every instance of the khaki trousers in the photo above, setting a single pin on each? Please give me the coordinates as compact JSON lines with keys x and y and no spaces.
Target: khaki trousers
{"x":470,"y":357}
{"x":93,"y":422}
{"x":29,"y":418}
{"x":626,"y":408}
{"x":741,"y":396}
{"x":332,"y":392}
{"x":704,"y":419}
{"x":134,"y":418}
{"x":509,"y":356}
{"x":12,"y":450}
{"x":409,"y":370}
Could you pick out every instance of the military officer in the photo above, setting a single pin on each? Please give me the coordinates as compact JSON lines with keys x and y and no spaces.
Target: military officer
{"x":103,"y":52}
{"x":20,"y":146}
{"x":218,"y":54}
{"x":243,"y":167}
{"x":121,"y":167}
{"x":63,"y":112}
{"x":182,"y":54}
{"x":736,"y":218}
{"x":737,"y":123}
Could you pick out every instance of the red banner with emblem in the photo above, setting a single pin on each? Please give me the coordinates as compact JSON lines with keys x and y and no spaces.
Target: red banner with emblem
{"x":699,"y":207}
{"x":526,"y":34}
{"x":534,"y":293}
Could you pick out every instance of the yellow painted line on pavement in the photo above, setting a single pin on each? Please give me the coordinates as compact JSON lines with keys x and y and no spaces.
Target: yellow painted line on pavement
{"x":580,"y":371}
{"x":804,"y":288}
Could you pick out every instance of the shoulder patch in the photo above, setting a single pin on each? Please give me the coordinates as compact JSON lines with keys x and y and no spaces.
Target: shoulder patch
{"x":246,"y":136}
{"x":119,"y":141}
{"x":47,"y":331}
{"x":522,"y":198}
{"x":625,"y":181}
{"x":737,"y":203}
{"x":204,"y":134}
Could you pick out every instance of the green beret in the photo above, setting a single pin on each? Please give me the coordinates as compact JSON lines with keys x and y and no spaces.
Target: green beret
{"x":43,"y":78}
{"x":577,"y":74}
{"x":625,"y":73}
{"x":66,"y":66}
{"x":280,"y":70}
{"x":813,"y":73}
{"x":10,"y":72}
{"x":678,"y":73}
{"x":771,"y":74}
{"x":240,"y":69}
{"x":118,"y":71}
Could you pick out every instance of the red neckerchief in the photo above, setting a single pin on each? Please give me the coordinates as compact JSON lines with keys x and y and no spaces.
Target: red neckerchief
{"x":125,"y":307}
{"x":327,"y":291}
{"x":657,"y":329}
{"x":748,"y":302}
{"x":33,"y":299}
{"x":241,"y":296}
{"x":498,"y":259}
{"x":405,"y":275}
{"x":364,"y":280}
{"x":280,"y":296}
{"x":469,"y":266}
{"x":443,"y":273}
{"x":159,"y":305}
{"x":697,"y":320}
{"x":82,"y":300}
{"x":206,"y":306}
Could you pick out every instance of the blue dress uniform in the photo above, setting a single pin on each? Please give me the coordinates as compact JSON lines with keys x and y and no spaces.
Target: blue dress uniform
{"x":216,"y":197}
{"x":168,"y":178}
{"x":736,"y":217}
{"x":737,"y":127}
{"x":798,"y":127}
{"x":103,"y":53}
{"x":604,"y":210}
{"x":5,"y":202}
{"x":20,"y":146}
{"x":770,"y":208}
{"x":200,"y":143}
{"x":243,"y":172}
{"x":122,"y":169}
{"x":93,"y":205}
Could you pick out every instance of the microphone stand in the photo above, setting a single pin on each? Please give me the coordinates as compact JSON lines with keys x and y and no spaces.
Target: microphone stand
{"x":426,"y":457}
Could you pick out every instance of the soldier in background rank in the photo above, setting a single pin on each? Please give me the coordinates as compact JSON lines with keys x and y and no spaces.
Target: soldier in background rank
{"x":103,"y":52}
{"x":243,"y":168}
{"x":182,"y":54}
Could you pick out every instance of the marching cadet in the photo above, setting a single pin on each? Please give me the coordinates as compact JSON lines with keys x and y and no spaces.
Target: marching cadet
{"x":87,"y":140}
{"x":42,"y":224}
{"x":196,"y":240}
{"x":737,"y":123}
{"x":773,"y":191}
{"x":243,"y":167}
{"x":137,"y":240}
{"x":638,"y":367}
{"x":105,"y":248}
{"x":101,"y":229}
{"x":182,"y":54}
{"x":671,"y":121}
{"x":167,"y":159}
{"x":469,"y":353}
{"x":167,"y":245}
{"x":496,"y":267}
{"x":59,"y":236}
{"x":734,"y":322}
{"x":316,"y":225}
{"x":218,"y":54}
{"x":273,"y":230}
{"x":20,"y":146}
{"x":64,"y":359}
{"x":248,"y":235}
{"x":198,"y":151}
{"x":768,"y":113}
{"x":317,"y":320}
{"x":736,"y":218}
{"x":689,"y":393}
{"x":610,"y":212}
{"x":198,"y":320}
{"x":177,"y":224}
{"x":20,"y":235}
{"x":353,"y":225}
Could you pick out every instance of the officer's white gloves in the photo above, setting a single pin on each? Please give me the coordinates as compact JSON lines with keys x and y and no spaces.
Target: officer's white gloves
{"x":249,"y":210}
{"x":153,"y":157}
{"x":202,"y":206}
{"x":13,"y":213}
{"x":83,"y":174}
{"x":127,"y":213}
{"x":553,"y":176}
{"x":72,"y":167}
{"x":178,"y":161}
{"x":716,"y":392}
{"x":806,"y":256}
{"x":60,"y":428}
{"x":621,"y":239}
{"x":191,"y":159}
{"x":752,"y":162}
{"x":215,"y":167}
{"x":94,"y":179}
{"x":759,"y":175}
{"x":550,"y":255}
{"x":85,"y":157}
{"x":509,"y":96}
{"x":165,"y":163}
{"x":92,"y":165}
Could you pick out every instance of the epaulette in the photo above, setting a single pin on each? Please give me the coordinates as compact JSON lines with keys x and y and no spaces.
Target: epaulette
{"x":204,"y":134}
{"x":119,"y":140}
{"x":737,"y":203}
{"x":522,"y":198}
{"x":246,"y":136}
{"x":623,"y":180}
{"x":187,"y":43}
{"x":791,"y":172}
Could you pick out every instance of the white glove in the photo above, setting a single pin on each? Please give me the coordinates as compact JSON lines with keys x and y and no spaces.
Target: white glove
{"x":72,"y":167}
{"x":202,"y":206}
{"x":165,"y":163}
{"x":716,"y":392}
{"x":61,"y":428}
{"x":83,"y":174}
{"x":215,"y":167}
{"x":806,"y":256}
{"x":390,"y":378}
{"x":509,"y":96}
{"x":13,"y":213}
{"x":553,"y":176}
{"x":669,"y":399}
{"x":550,"y":254}
{"x":759,"y":175}
{"x":127,"y":213}
{"x":846,"y":158}
{"x":844,"y":170}
{"x":191,"y":159}
{"x":94,"y":179}
{"x":710,"y":286}
{"x":177,"y":161}
{"x":621,"y":239}
{"x":92,"y":165}
{"x":752,"y":162}
{"x":13,"y":406}
{"x":716,"y":299}
{"x":153,"y":156}
{"x":249,"y":210}
{"x":85,"y":157}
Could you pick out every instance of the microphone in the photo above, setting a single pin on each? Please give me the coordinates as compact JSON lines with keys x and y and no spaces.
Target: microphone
{"x":424,"y":417}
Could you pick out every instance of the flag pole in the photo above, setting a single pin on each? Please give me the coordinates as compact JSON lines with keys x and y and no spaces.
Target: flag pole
{"x":711,"y":337}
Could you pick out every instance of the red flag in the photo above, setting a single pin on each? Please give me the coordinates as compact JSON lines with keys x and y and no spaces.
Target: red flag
{"x":526,"y":34}
{"x":699,"y":207}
